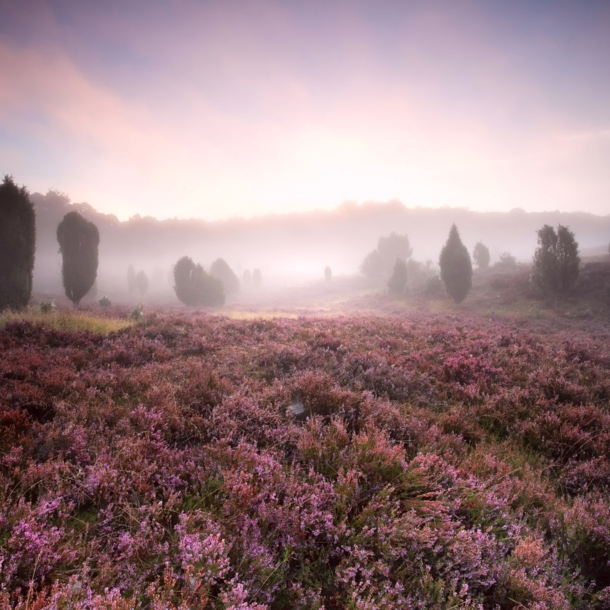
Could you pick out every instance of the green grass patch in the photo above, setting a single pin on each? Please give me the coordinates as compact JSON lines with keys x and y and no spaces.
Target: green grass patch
{"x":65,"y":319}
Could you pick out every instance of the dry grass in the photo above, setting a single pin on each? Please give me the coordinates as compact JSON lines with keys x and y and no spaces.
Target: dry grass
{"x":65,"y":319}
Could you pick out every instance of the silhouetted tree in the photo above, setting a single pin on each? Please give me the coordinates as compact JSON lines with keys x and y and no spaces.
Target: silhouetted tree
{"x":221,"y":270}
{"x":246,"y":277}
{"x":481,"y":255}
{"x":398,"y":281}
{"x":372,"y":266}
{"x":257,"y":278}
{"x":17,"y":245}
{"x":507,"y":260}
{"x":142,"y":282}
{"x":194,"y":286}
{"x":328,"y":273}
{"x":78,"y":243}
{"x":456,"y":267}
{"x":131,"y":279}
{"x":392,"y":247}
{"x":556,"y":260}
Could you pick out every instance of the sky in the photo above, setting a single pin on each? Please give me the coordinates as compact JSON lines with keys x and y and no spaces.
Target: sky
{"x":216,"y":109}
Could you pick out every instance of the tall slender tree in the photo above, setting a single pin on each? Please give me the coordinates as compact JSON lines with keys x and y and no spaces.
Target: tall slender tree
{"x":17,"y":245}
{"x":78,"y":243}
{"x":456,"y":267}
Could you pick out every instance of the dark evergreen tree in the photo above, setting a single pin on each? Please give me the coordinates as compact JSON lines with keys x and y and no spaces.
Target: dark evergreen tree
{"x":556,"y":260}
{"x":194,"y":286}
{"x":257,"y":278}
{"x":221,"y":270}
{"x":78,"y":243}
{"x":397,"y":283}
{"x":456,"y":267}
{"x":17,"y":245}
{"x":481,"y":255}
{"x":328,"y":273}
{"x":142,"y":282}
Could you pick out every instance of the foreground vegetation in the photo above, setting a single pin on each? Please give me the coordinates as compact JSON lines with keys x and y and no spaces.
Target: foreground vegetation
{"x":193,"y":461}
{"x":63,"y":319}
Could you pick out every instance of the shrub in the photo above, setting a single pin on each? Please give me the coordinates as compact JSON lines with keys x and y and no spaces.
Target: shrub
{"x":105,"y":302}
{"x":194,"y":286}
{"x":137,"y":313}
{"x":17,"y":245}
{"x":556,"y":260}
{"x":221,"y":270}
{"x":481,"y":255}
{"x":78,"y":243}
{"x":456,"y":268}
{"x":507,"y":261}
{"x":398,"y":282}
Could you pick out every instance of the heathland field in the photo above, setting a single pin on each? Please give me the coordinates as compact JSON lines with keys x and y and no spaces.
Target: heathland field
{"x":414,"y":460}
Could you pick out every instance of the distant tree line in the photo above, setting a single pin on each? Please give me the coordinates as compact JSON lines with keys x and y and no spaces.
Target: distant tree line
{"x":555,"y":269}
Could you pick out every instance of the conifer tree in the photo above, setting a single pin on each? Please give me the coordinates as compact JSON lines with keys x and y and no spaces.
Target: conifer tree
{"x":481,"y":256}
{"x":556,"y":260}
{"x":78,"y":243}
{"x":17,"y":245}
{"x":220,"y":269}
{"x":456,"y":267}
{"x":398,"y":281}
{"x":194,"y":286}
{"x":328,"y":273}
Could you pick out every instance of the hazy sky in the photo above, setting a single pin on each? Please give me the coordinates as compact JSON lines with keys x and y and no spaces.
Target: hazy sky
{"x":215,"y":109}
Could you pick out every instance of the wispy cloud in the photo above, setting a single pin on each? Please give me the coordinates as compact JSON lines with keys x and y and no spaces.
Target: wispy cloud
{"x":214,"y":109}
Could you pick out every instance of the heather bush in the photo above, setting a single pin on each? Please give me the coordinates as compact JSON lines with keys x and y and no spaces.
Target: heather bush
{"x":441,"y":462}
